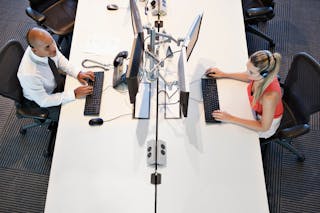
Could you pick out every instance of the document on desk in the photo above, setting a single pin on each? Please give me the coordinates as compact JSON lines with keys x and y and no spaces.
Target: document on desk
{"x":98,"y":46}
{"x":142,"y":103}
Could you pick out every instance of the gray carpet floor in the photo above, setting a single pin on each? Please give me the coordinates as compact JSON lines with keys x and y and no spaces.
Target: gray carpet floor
{"x":24,"y":172}
{"x":291,"y":186}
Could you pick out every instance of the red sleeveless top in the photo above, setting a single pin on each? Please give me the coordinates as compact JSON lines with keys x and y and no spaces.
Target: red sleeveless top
{"x":273,"y":86}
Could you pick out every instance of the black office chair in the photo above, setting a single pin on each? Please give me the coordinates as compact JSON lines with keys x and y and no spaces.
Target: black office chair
{"x":255,"y":12}
{"x":10,"y":58}
{"x":57,"y":16}
{"x":301,"y":98}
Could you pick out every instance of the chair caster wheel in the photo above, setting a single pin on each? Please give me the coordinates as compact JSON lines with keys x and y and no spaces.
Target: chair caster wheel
{"x":301,"y":159}
{"x":47,"y":154}
{"x":23,"y":131}
{"x":272,"y":47}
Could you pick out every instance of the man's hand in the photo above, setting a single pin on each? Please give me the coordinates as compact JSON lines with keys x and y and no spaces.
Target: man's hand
{"x":83,"y":91}
{"x":84,"y":76}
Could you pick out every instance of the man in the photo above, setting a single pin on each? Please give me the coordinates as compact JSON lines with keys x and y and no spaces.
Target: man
{"x":42,"y":85}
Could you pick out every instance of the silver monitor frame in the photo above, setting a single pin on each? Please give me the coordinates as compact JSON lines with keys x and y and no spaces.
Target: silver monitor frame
{"x":193,"y":35}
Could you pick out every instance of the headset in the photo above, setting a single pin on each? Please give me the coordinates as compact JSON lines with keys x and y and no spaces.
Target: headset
{"x":264,"y":73}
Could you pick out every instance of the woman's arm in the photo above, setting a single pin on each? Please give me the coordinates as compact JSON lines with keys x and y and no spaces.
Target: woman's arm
{"x":269,"y":102}
{"x":217,"y":73}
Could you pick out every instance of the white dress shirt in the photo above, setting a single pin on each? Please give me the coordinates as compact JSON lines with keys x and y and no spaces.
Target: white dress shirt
{"x":37,"y":80}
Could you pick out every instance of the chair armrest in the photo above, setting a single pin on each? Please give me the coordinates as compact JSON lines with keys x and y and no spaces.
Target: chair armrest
{"x":259,"y":11}
{"x":295,"y":131}
{"x":35,"y":15}
{"x":279,"y":78}
{"x":281,"y":84}
{"x":33,"y":113}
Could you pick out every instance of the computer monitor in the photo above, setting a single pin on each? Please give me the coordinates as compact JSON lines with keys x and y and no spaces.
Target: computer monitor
{"x":183,"y":82}
{"x":135,"y":18}
{"x":193,"y":34}
{"x":135,"y":62}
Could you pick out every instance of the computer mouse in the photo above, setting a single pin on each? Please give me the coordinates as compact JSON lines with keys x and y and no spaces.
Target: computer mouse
{"x":112,"y":7}
{"x":96,"y":122}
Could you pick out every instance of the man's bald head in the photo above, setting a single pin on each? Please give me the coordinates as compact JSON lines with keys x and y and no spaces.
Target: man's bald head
{"x":41,"y":42}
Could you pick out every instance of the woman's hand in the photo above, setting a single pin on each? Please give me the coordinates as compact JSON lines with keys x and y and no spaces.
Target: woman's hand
{"x":215,"y":72}
{"x":222,"y":116}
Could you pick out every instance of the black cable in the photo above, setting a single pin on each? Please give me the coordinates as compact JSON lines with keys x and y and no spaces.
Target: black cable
{"x":111,"y":119}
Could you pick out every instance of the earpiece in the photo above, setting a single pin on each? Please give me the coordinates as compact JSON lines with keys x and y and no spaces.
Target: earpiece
{"x":264,"y":73}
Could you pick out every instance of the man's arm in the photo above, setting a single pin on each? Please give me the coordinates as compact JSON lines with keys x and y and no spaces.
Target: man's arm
{"x":34,"y":90}
{"x":67,"y":67}
{"x":217,"y":73}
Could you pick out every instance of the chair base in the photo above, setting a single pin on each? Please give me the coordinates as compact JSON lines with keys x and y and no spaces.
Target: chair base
{"x":252,"y":30}
{"x":48,"y":153}
{"x":287,"y":144}
{"x":52,"y":128}
{"x":23,"y":129}
{"x":50,"y":148}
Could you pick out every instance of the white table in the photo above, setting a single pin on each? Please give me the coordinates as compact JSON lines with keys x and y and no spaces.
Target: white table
{"x":101,"y":168}
{"x":218,"y":167}
{"x":210,"y":168}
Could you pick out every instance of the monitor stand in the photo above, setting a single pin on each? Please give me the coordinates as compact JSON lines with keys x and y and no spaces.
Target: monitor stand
{"x":172,"y":102}
{"x":142,"y":103}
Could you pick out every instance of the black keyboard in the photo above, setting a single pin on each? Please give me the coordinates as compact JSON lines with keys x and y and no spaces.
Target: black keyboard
{"x":210,"y":98}
{"x":92,"y":106}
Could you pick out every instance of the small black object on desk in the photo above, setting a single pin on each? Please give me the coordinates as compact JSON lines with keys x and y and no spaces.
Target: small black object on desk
{"x":112,"y":7}
{"x":96,"y":122}
{"x":119,"y":58}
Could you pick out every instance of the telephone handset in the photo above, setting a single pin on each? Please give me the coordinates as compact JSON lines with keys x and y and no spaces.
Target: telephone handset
{"x":119,"y":75}
{"x":119,"y":58}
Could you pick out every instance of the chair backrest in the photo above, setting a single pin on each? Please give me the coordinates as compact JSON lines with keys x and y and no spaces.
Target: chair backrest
{"x":268,"y":3}
{"x":302,"y":87}
{"x":246,"y":4}
{"x":41,"y":5}
{"x":256,"y":11}
{"x":10,"y":57}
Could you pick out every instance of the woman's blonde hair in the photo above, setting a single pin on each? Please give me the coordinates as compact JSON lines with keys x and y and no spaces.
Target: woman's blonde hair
{"x":268,"y":65}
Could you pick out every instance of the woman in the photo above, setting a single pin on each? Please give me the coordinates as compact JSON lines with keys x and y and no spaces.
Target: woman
{"x":264,"y":93}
